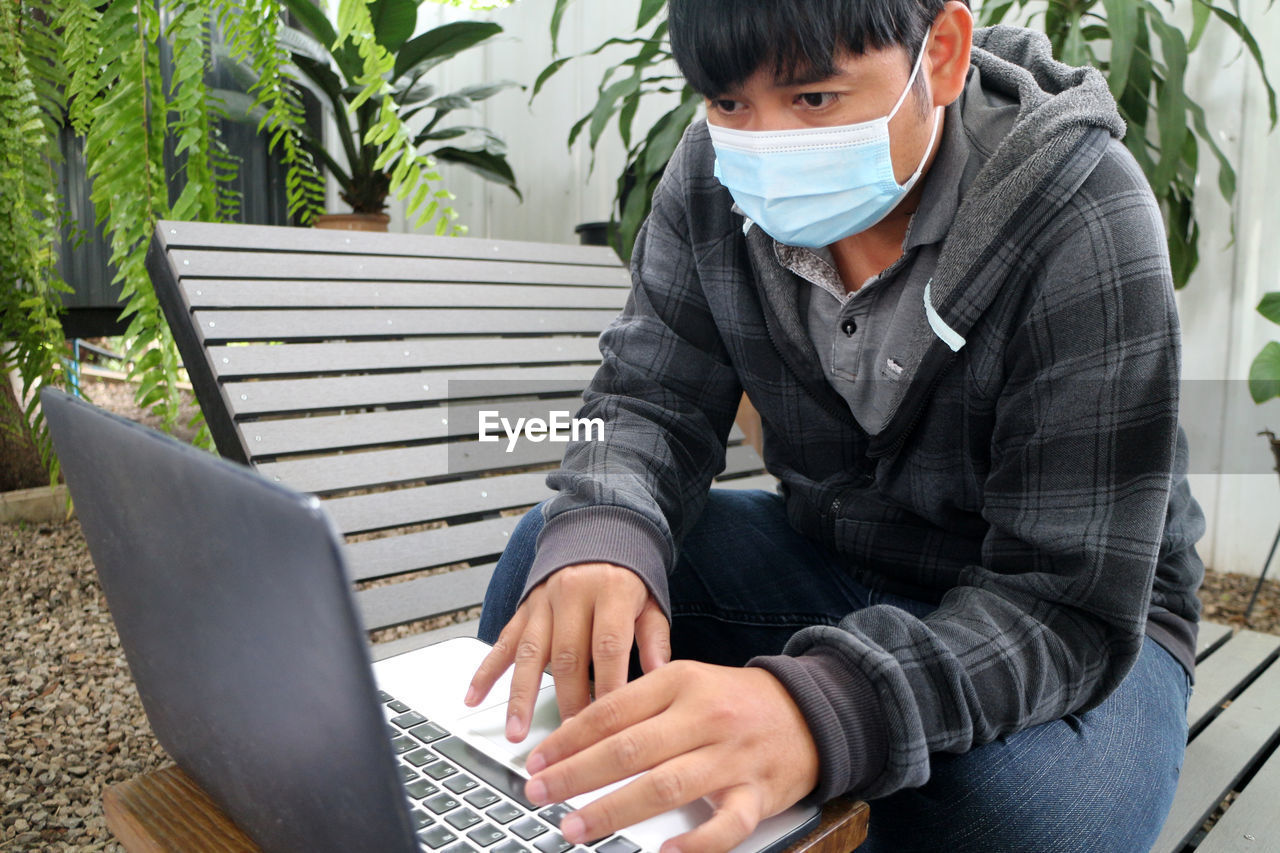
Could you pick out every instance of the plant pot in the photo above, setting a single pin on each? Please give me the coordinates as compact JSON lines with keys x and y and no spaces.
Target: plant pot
{"x":593,"y":233}
{"x":352,"y":221}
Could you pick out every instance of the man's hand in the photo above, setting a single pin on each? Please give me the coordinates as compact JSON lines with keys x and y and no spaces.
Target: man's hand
{"x":733,"y":735}
{"x":581,"y":614}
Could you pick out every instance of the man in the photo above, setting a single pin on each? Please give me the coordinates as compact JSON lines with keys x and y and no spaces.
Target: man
{"x":929,"y":261}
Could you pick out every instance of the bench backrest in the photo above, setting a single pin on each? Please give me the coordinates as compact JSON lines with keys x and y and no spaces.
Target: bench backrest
{"x":353,"y":366}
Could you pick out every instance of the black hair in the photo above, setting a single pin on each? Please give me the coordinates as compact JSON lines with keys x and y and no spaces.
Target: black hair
{"x":718,"y":44}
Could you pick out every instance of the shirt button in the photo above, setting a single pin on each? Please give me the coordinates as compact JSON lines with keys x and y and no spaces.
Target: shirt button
{"x":849,"y":327}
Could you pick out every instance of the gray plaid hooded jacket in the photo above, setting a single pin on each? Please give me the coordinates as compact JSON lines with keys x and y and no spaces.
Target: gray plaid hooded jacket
{"x":1031,"y":481}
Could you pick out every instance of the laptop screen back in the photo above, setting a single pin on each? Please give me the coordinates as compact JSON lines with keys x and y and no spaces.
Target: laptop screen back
{"x":232,"y":605}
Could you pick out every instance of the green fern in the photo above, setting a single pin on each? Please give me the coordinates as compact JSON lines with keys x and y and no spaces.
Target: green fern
{"x":412,"y":174}
{"x":251,"y":28}
{"x":29,"y":282}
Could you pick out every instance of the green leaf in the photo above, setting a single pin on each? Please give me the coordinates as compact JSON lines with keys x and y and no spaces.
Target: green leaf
{"x":1264,"y":374}
{"x":993,"y":13}
{"x":442,"y":42}
{"x":393,"y":21}
{"x":1200,"y":18}
{"x":546,"y":75}
{"x":557,"y":17}
{"x":491,"y":167}
{"x":1251,"y":43}
{"x":648,"y":9}
{"x":1172,"y":102}
{"x":1269,"y":307}
{"x":1122,"y":20}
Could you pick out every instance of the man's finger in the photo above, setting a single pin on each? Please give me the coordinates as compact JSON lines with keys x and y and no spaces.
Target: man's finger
{"x":611,"y":640}
{"x":637,"y":701}
{"x":531,"y":652}
{"x":736,"y":816}
{"x":570,"y":655}
{"x":633,"y":750}
{"x":653,"y":636}
{"x":670,"y":785}
{"x":499,"y":658}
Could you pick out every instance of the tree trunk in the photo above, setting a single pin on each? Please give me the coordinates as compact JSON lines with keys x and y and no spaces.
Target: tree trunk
{"x":20,"y":466}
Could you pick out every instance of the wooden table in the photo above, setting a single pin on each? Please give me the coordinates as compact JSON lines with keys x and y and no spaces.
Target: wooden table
{"x":166,"y":812}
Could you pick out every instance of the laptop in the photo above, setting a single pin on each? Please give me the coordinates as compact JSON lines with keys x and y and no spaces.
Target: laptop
{"x":234,"y":610}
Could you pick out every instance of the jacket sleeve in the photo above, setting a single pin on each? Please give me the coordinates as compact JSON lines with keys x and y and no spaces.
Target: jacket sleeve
{"x":1081,"y":456}
{"x":667,"y":395}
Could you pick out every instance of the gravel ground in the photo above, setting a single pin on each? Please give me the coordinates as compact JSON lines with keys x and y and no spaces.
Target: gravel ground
{"x":70,"y":719}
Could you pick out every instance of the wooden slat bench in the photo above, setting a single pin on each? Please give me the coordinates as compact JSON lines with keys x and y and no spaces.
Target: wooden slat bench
{"x":354,"y":366}
{"x":1234,"y":725}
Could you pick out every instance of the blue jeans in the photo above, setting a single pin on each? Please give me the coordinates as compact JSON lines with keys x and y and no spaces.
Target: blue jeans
{"x":1102,"y":780}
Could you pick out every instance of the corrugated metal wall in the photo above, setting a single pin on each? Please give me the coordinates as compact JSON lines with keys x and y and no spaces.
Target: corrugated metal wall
{"x":84,"y":251}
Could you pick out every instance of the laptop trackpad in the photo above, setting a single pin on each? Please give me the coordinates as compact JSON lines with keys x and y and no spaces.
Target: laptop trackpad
{"x":488,"y":726}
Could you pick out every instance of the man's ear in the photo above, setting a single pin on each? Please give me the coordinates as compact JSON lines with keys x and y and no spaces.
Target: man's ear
{"x":947,"y":54}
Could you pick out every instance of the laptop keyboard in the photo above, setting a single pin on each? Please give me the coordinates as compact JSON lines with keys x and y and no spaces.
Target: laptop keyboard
{"x":461,"y":800}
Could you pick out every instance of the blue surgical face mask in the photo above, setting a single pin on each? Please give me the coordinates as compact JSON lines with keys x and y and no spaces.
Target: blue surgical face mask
{"x":815,"y":186}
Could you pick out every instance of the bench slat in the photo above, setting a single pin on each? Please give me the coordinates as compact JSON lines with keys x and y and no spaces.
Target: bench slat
{"x":1252,"y":824}
{"x":275,"y":238}
{"x":422,"y":504}
{"x":331,"y":432}
{"x":292,"y":265}
{"x":1209,"y":636}
{"x":284,"y":293}
{"x":1218,"y":757}
{"x":382,"y":651}
{"x":387,"y":467}
{"x":219,"y":326}
{"x":428,"y":549}
{"x":1220,"y":677}
{"x":395,"y":604}
{"x":327,"y":358}
{"x":316,"y":394}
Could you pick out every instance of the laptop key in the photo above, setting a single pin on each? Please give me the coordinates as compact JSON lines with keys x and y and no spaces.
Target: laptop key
{"x":617,"y":844}
{"x":384,"y":697}
{"x":437,"y":836}
{"x":554,"y":814}
{"x":419,"y":757}
{"x":427,"y":732}
{"x":397,"y":706}
{"x":462,"y":819}
{"x":460,"y":847}
{"x":553,"y":843}
{"x":407,"y":774}
{"x":420,"y":818}
{"x":460,"y":784}
{"x":439,"y":770}
{"x":420,"y":788}
{"x":403,"y":744}
{"x":412,"y":718}
{"x":486,"y":835}
{"x":504,"y":813}
{"x":441,"y":803}
{"x":509,"y":847}
{"x":528,"y":829}
{"x":482,"y":798}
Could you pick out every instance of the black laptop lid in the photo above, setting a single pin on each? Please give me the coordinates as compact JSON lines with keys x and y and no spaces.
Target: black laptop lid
{"x":232,"y":605}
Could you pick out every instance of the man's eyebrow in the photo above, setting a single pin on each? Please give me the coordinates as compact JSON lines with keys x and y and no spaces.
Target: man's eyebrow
{"x":810,"y":76}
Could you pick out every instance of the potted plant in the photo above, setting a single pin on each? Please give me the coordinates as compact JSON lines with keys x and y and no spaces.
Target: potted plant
{"x":1165,"y":125}
{"x":370,"y":114}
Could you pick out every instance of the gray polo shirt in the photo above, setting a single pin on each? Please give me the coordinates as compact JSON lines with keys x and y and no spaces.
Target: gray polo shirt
{"x":851,"y":331}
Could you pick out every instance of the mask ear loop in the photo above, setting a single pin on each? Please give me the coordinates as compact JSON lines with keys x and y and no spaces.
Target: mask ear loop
{"x":933,"y":135}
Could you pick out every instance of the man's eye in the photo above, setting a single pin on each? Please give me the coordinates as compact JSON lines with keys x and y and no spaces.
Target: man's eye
{"x":725,"y":105}
{"x":816,"y":100}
